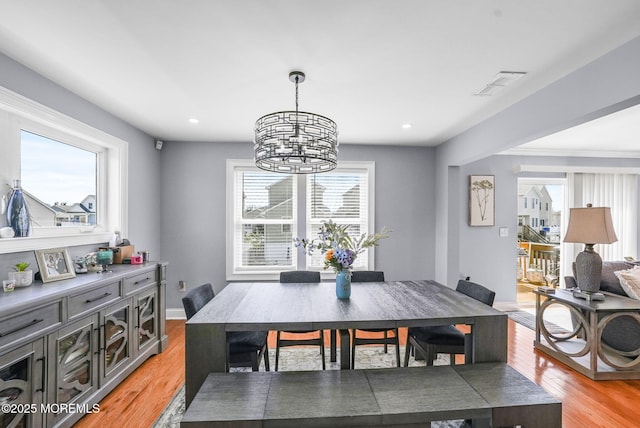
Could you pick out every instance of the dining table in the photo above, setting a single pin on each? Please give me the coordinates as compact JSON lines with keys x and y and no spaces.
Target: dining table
{"x":261,"y":306}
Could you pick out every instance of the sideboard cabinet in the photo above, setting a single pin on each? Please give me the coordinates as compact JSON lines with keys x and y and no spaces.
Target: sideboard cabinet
{"x":65,"y":345}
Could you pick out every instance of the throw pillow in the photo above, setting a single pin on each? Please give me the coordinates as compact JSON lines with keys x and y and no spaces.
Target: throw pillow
{"x":630,"y":281}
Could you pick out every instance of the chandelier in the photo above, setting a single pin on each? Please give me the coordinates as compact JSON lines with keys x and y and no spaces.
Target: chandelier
{"x":296,"y":141}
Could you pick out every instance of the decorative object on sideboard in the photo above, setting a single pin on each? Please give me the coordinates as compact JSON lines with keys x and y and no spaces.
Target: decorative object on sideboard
{"x":8,"y":285}
{"x":17,"y":212}
{"x":22,"y":276}
{"x":105,"y":258}
{"x":55,"y":264}
{"x":81,"y":264}
{"x":296,"y":142}
{"x":589,"y":226}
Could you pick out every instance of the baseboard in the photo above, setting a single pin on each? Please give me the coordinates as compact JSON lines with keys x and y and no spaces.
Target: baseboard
{"x":175,"y":314}
{"x":506,"y":306}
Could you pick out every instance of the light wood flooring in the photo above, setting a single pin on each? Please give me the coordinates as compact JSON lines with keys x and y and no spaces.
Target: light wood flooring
{"x":140,"y":399}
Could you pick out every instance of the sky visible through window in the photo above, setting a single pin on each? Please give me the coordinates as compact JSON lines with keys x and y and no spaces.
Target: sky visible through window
{"x":56,"y":172}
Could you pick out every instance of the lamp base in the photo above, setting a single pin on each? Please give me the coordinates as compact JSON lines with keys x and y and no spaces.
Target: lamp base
{"x":588,"y":296}
{"x":588,"y":270}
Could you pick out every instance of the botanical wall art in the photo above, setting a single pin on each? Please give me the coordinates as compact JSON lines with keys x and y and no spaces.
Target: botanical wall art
{"x":481,"y":200}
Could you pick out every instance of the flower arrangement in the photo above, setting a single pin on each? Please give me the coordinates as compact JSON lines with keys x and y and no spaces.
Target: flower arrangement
{"x":340,"y":250}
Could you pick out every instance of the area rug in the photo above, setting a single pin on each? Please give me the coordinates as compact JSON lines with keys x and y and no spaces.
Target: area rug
{"x":309,"y":359}
{"x":528,"y":320}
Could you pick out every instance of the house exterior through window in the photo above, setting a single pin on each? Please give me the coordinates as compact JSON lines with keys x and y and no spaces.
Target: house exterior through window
{"x":266,"y":210}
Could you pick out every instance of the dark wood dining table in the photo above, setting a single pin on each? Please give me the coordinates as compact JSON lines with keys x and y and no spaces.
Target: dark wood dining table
{"x":244,"y":306}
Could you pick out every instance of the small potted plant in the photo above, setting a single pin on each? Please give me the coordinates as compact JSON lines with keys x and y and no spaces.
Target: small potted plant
{"x":21,"y":275}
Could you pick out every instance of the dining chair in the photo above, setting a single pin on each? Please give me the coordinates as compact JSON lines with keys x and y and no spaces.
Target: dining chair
{"x":244,"y":348}
{"x":373,"y":276}
{"x":299,"y":276}
{"x":428,"y":342}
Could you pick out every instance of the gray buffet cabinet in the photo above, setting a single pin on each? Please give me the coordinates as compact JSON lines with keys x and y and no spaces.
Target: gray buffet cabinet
{"x":65,"y":345}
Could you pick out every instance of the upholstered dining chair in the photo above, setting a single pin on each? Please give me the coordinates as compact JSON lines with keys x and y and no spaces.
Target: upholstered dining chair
{"x":430,"y":341}
{"x":299,"y":276}
{"x":244,"y":348}
{"x":373,"y":276}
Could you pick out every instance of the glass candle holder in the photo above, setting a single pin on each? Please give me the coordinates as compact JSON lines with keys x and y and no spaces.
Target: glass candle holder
{"x":105,"y":258}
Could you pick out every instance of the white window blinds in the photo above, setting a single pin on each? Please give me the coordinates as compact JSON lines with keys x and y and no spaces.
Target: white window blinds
{"x":266,"y":210}
{"x":343,"y":197}
{"x":264,"y":222}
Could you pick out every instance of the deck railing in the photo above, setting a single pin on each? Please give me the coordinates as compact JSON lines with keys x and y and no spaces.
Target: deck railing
{"x":541,"y":263}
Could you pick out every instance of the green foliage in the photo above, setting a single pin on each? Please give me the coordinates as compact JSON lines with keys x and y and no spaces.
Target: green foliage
{"x":21,"y":267}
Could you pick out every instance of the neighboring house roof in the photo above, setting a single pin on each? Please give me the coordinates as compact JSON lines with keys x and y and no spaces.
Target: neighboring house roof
{"x":38,"y":201}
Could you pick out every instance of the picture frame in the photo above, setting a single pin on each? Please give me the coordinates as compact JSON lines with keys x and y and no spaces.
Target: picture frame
{"x":55,"y":264}
{"x":482,"y":200}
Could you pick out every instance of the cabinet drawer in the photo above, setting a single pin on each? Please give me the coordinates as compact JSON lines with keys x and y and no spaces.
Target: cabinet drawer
{"x":136,"y":282}
{"x":29,"y":323}
{"x":84,"y":302}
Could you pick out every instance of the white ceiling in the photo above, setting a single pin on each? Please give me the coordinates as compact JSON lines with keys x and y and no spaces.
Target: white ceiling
{"x":371,"y":65}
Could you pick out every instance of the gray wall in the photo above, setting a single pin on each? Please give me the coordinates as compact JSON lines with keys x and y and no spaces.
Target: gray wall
{"x":485,"y":256}
{"x":144,"y":160}
{"x":194,"y":210}
{"x":603,"y":86}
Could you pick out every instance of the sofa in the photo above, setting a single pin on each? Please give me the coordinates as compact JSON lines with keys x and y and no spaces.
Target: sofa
{"x":622,"y":333}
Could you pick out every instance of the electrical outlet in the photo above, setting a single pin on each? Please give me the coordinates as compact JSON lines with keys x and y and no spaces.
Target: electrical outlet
{"x":182,"y":286}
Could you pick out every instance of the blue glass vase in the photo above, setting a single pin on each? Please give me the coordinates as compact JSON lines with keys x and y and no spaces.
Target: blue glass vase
{"x":18,"y":213}
{"x":343,"y":284}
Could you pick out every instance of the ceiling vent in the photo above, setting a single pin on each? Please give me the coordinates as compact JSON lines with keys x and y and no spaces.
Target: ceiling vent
{"x":499,"y":81}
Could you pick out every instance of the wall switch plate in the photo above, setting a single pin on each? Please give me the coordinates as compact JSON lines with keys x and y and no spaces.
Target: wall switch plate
{"x":504,"y":232}
{"x":182,"y":286}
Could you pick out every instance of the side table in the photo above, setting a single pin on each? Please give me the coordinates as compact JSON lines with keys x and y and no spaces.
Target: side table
{"x":582,"y":348}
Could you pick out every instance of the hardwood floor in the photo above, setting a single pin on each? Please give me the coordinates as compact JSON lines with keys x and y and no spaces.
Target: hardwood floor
{"x":140,"y":399}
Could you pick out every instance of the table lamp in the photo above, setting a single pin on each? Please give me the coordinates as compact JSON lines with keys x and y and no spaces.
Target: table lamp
{"x":591,"y":225}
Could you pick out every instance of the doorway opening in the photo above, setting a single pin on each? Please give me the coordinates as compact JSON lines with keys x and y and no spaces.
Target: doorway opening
{"x":540,"y":209}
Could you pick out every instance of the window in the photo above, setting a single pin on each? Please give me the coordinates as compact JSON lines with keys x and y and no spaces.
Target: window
{"x":525,"y":202}
{"x":267,"y":210}
{"x":59,"y":180}
{"x":263,"y":220}
{"x":342,"y":197}
{"x":99,"y":178}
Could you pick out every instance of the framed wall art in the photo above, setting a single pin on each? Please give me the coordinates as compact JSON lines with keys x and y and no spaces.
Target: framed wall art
{"x":55,"y":264}
{"x":481,"y":200}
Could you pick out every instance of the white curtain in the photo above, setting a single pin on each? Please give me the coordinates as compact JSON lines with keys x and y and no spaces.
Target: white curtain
{"x":617,"y":191}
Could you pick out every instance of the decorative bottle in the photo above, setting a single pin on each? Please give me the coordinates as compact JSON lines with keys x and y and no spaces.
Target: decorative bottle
{"x":18,"y":213}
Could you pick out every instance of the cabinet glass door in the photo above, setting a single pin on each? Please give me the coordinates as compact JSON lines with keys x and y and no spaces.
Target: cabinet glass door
{"x":116,"y":329}
{"x":74,"y":364}
{"x":15,"y":388}
{"x":147,"y":318}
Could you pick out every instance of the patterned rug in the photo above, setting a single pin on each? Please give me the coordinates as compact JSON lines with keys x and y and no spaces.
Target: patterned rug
{"x":309,"y":359}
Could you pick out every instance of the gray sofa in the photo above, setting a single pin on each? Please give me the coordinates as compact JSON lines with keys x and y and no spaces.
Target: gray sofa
{"x":622,"y":333}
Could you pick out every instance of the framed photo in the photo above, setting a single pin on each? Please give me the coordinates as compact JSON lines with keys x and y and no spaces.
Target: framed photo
{"x":55,"y":264}
{"x":482,"y":200}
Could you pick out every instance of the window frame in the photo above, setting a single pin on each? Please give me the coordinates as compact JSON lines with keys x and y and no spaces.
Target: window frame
{"x":299,"y":225}
{"x":20,"y":113}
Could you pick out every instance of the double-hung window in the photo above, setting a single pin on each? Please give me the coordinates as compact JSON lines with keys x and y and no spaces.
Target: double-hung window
{"x":266,"y":210}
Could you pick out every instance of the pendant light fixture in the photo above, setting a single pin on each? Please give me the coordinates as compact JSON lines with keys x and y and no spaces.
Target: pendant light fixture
{"x":295,"y":141}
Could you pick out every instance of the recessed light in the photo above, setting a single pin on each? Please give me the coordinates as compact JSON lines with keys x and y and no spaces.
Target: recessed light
{"x":406,"y":125}
{"x":194,"y":120}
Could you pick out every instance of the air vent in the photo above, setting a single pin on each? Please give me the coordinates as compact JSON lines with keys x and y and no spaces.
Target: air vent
{"x":499,"y":81}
